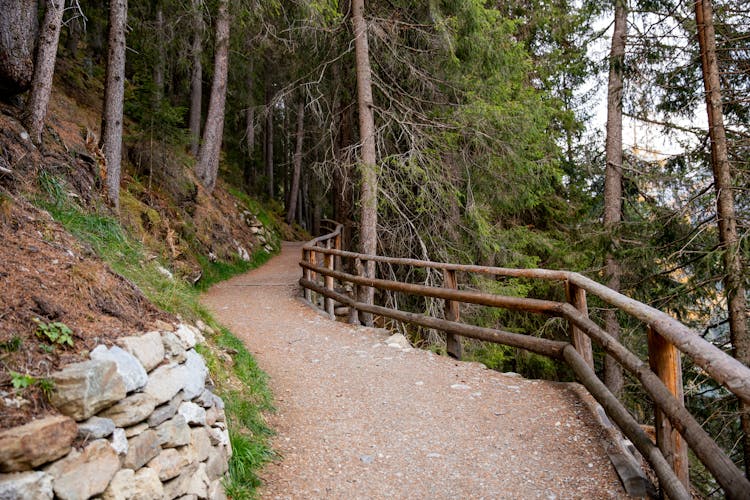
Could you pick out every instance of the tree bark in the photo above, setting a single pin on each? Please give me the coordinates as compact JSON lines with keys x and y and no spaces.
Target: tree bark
{"x":161,"y":56}
{"x":249,"y":128}
{"x":18,"y":31}
{"x":41,"y":88}
{"x":297,"y":163}
{"x":207,"y":168}
{"x":196,"y":78}
{"x":114,"y":96}
{"x":368,"y":237}
{"x":613,"y":182}
{"x":269,"y":133}
{"x":729,"y":241}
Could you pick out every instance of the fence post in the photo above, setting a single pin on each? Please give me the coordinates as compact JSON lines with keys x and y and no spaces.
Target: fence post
{"x":577,"y":298}
{"x":353,"y":312}
{"x":337,"y":246}
{"x":453,"y":342}
{"x":313,"y":276}
{"x":306,"y":274}
{"x":664,"y":360}
{"x":328,"y":259}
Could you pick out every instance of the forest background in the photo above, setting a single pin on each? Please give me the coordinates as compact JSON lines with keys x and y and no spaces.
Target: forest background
{"x":450,"y":130}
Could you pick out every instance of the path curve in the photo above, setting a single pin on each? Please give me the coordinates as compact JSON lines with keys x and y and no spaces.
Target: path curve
{"x":359,"y":419}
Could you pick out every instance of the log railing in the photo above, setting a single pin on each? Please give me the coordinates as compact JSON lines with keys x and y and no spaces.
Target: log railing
{"x":661,"y":377}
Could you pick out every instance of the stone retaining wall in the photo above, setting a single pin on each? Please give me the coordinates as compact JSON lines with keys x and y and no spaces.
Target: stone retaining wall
{"x":138,"y":422}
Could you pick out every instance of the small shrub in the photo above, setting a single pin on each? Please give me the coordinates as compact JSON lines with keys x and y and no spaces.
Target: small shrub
{"x":46,"y":385}
{"x":12,"y":345}
{"x":21,"y":380}
{"x":56,"y":332}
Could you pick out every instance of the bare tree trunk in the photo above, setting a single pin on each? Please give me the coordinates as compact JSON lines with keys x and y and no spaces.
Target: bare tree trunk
{"x":294,"y":191}
{"x":613,"y":181}
{"x":18,"y":31}
{"x":196,"y":78}
{"x":207,"y":168}
{"x":725,"y":210}
{"x":269,"y":134}
{"x":161,"y":59}
{"x":249,"y":128}
{"x":41,"y":88}
{"x":114,"y":96}
{"x":74,"y":36}
{"x":368,"y":237}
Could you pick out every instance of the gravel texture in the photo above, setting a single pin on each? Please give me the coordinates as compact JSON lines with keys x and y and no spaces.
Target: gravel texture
{"x":359,"y":419}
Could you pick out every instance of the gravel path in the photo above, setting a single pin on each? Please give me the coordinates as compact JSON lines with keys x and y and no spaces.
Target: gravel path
{"x":359,"y":419}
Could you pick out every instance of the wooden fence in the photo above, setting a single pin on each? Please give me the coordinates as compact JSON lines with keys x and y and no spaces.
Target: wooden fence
{"x":661,"y":377}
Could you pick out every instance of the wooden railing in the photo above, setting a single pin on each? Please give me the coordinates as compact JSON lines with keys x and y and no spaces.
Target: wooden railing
{"x":661,"y":377}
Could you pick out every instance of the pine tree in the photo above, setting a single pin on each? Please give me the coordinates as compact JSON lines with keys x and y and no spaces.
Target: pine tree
{"x":44,"y":69}
{"x":207,"y":167}
{"x":114,"y":97}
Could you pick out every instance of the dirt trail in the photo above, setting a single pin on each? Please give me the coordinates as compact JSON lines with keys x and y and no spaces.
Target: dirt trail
{"x":359,"y":419}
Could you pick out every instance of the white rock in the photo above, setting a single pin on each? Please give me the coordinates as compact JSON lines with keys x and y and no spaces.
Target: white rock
{"x":186,"y":334}
{"x":148,"y":348}
{"x":243,"y":253}
{"x":193,"y":413}
{"x":129,"y":485}
{"x":216,"y":491}
{"x":173,"y":347}
{"x":34,"y":485}
{"x":397,"y":341}
{"x":129,"y":368}
{"x":119,"y":442}
{"x":219,"y":437}
{"x":203,"y":327}
{"x":95,"y":428}
{"x":195,"y":375}
{"x":165,"y":382}
{"x":165,"y":272}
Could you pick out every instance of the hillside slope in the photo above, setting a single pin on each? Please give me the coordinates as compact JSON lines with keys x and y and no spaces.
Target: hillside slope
{"x":74,"y":274}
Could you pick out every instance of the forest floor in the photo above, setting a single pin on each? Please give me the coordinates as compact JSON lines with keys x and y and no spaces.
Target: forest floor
{"x":357,"y":418}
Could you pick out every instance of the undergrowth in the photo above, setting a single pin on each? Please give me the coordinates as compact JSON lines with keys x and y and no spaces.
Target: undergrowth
{"x":240,"y":383}
{"x":214,"y":272}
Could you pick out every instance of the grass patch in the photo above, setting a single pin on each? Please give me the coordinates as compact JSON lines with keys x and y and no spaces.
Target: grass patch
{"x":214,"y":272}
{"x":245,"y":407}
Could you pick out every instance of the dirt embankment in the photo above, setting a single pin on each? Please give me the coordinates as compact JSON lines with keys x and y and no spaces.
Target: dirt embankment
{"x":49,"y":277}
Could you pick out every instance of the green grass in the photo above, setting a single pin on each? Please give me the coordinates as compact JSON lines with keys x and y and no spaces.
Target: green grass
{"x":214,"y":272}
{"x":245,"y":407}
{"x":242,"y":385}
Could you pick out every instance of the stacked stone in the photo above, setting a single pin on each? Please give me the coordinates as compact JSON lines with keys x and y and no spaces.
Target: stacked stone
{"x":145,"y":424}
{"x":258,"y":229}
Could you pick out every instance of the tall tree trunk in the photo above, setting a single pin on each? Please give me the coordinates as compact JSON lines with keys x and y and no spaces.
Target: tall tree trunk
{"x":249,"y":128}
{"x":269,"y":133}
{"x":18,"y":31}
{"x":114,"y":96}
{"x":36,"y":107}
{"x":74,"y":36}
{"x":161,"y":56}
{"x":726,"y":216}
{"x":196,"y":78}
{"x":207,"y":168}
{"x":368,"y":199}
{"x":297,"y":163}
{"x":613,"y":181}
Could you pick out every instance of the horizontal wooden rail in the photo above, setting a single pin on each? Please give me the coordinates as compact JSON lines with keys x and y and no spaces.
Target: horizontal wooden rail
{"x":726,"y":370}
{"x":545,"y":347}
